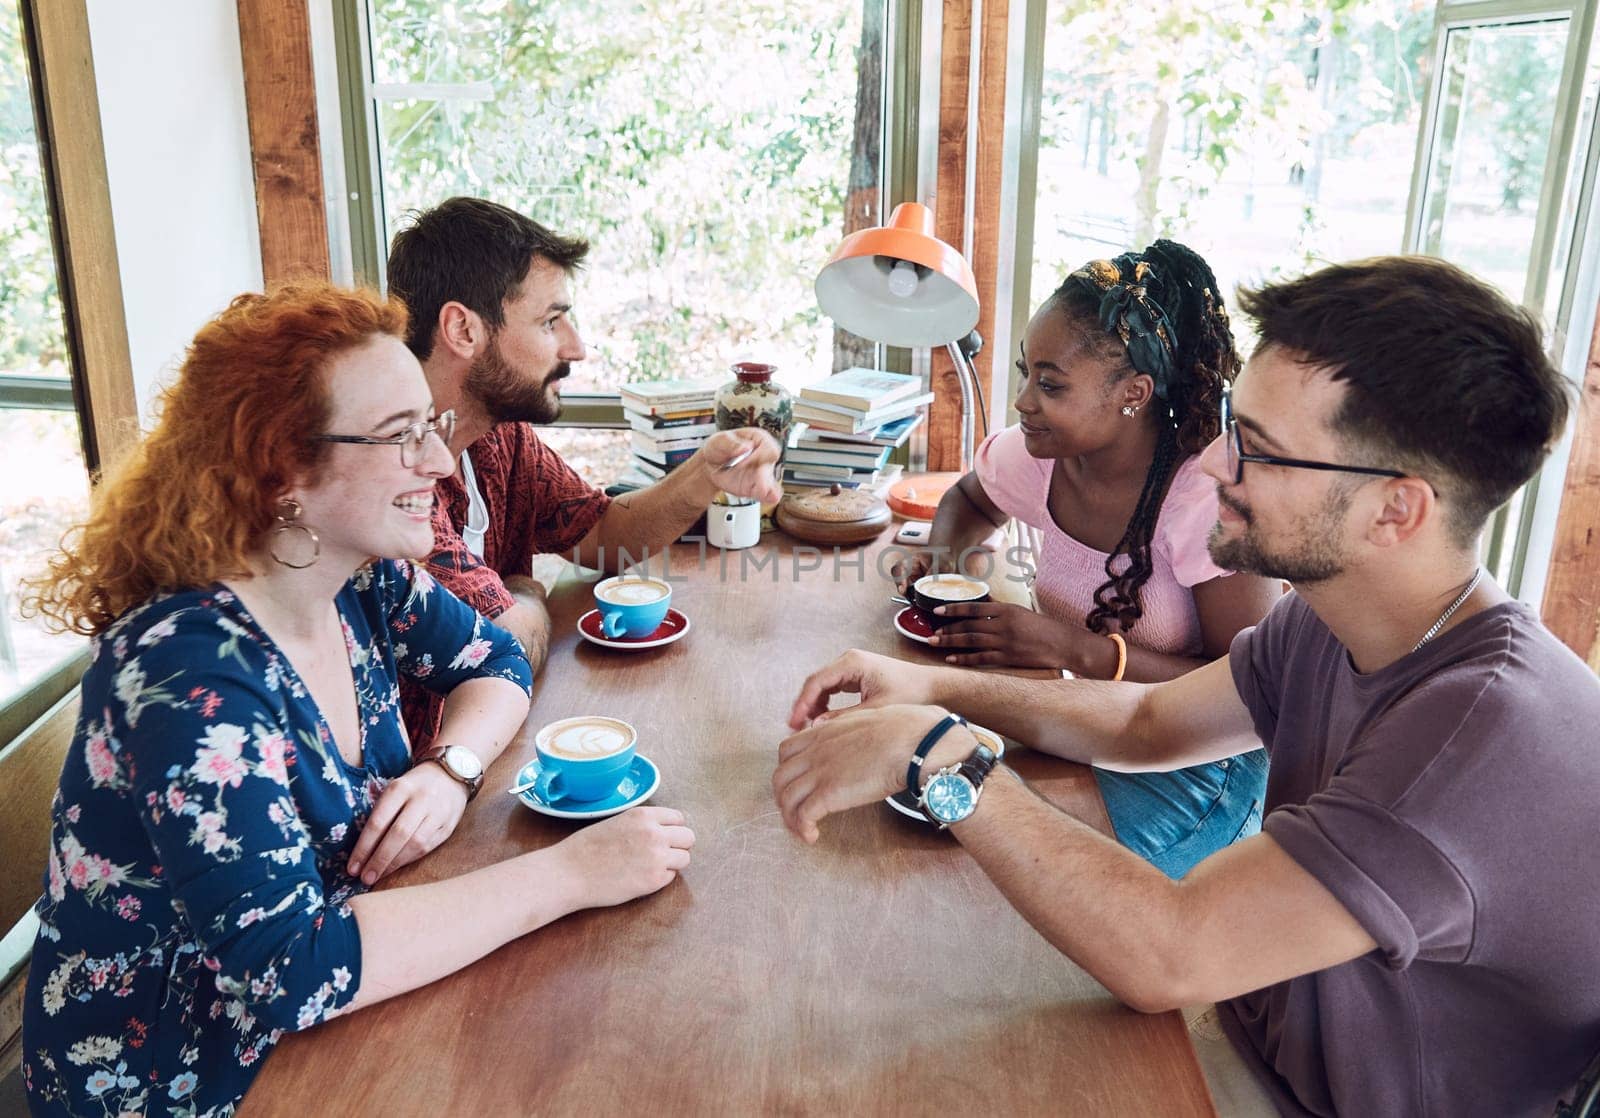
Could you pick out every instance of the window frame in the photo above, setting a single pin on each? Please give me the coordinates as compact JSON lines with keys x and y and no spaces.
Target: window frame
{"x":100,"y":387}
{"x":1560,"y":208}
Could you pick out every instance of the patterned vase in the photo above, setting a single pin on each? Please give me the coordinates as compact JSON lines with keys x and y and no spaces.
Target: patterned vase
{"x":754,"y":399}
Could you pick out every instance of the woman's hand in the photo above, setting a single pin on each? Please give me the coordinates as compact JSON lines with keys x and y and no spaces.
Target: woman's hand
{"x":999,"y":633}
{"x":906,"y":571}
{"x":626,"y":856}
{"x":413,"y":815}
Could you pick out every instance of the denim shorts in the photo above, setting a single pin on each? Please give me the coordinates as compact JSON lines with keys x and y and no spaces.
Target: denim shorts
{"x":1175,"y":819}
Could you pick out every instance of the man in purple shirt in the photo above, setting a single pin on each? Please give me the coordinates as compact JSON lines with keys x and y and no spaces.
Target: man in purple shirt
{"x":1415,"y":929}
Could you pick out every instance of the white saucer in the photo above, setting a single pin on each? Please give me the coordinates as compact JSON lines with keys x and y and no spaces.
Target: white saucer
{"x":676,"y":624}
{"x":899,"y":800}
{"x":638,"y":786}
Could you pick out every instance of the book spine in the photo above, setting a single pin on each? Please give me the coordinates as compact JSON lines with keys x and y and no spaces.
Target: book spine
{"x":669,"y":406}
{"x":666,"y":458}
{"x":662,"y":422}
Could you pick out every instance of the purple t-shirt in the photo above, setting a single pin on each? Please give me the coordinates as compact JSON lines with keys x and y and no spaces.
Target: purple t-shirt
{"x":1448,"y":802}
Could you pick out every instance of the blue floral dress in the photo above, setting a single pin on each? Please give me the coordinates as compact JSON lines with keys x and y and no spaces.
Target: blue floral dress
{"x":195,"y":903}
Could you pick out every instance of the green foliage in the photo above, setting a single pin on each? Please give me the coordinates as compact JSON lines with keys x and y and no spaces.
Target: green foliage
{"x":1245,"y":80}
{"x":31,"y":339}
{"x":702,"y":147}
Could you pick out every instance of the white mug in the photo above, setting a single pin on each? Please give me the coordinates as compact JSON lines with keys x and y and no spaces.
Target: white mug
{"x":734,"y":524}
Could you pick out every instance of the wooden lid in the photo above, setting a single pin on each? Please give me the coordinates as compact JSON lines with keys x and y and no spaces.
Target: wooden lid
{"x":832,"y":515}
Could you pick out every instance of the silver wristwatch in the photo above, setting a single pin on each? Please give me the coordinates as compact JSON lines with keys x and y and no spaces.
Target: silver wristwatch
{"x":460,"y":762}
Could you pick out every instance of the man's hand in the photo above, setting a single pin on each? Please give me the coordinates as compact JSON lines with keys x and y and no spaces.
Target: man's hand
{"x":413,"y":815}
{"x":756,"y":476}
{"x":877,"y":679}
{"x":527,"y":586}
{"x":529,"y":619}
{"x":627,"y":856}
{"x":859,"y":756}
{"x":992,"y":633}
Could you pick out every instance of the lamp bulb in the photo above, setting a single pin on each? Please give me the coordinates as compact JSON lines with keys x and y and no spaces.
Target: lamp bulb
{"x":903,"y":279}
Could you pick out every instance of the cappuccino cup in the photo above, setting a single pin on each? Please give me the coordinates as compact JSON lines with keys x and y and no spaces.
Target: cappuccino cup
{"x":931,"y":591}
{"x":584,"y":758}
{"x":632,"y":605}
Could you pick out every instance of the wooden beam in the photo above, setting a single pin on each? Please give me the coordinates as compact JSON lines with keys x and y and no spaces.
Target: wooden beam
{"x":990,"y":365}
{"x":981,"y":138}
{"x":1572,"y":592}
{"x":949,"y":208}
{"x":73,"y":151}
{"x":281,"y":99}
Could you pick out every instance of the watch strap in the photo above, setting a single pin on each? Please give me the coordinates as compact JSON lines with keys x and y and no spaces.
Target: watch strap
{"x":978,"y":767}
{"x":435,"y":755}
{"x":924,"y":747}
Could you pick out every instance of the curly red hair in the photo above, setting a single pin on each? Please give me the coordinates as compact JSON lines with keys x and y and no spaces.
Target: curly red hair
{"x":190,"y":503}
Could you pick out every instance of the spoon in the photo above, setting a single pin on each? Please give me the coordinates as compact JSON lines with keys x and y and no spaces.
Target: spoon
{"x":737,"y":458}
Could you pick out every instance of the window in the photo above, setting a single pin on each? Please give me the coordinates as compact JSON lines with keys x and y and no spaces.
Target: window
{"x":712,"y":153}
{"x":45,"y":485}
{"x":1266,"y":136}
{"x":1273,"y":136}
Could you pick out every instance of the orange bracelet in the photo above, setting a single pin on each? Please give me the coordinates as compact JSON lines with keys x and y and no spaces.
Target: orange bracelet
{"x":1122,"y":656}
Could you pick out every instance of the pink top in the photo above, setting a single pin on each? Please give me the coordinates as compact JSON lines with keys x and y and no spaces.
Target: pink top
{"x":1069,"y":571}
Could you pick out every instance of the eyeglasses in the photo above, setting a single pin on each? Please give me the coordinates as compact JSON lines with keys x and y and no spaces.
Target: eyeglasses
{"x":1236,"y":457}
{"x":411,"y":441}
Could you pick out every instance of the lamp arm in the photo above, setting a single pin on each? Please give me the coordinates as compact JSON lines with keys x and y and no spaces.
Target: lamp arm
{"x":969,"y":385}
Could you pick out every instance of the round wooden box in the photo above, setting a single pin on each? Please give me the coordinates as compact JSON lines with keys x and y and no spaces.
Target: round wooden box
{"x":832,"y":516}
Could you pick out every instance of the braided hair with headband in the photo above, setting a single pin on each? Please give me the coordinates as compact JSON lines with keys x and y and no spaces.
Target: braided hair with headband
{"x":1156,"y":312}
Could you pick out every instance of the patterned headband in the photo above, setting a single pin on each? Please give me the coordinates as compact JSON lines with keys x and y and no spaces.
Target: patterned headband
{"x":1127,"y":310}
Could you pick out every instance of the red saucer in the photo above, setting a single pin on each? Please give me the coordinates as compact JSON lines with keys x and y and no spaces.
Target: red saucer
{"x":673,"y":626}
{"x":913,"y":623}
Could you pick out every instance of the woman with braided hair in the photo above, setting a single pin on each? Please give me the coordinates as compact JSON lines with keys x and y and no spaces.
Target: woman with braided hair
{"x":1122,"y":375}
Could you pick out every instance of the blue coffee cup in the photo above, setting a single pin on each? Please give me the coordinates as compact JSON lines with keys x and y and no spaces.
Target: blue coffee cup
{"x":583,"y":758}
{"x":632,"y":605}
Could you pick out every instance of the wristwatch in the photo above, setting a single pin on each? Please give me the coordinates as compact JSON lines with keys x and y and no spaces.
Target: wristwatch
{"x":460,"y":762}
{"x":951,"y":794}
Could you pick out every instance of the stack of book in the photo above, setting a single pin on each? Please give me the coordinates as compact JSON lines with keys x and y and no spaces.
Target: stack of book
{"x":671,"y":419}
{"x":848,"y":424}
{"x":858,"y":401}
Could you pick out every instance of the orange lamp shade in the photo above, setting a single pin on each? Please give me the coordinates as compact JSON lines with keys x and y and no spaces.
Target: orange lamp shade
{"x":899,"y":284}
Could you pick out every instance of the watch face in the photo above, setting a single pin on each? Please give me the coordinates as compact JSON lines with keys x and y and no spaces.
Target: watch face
{"x":949,"y":797}
{"x":463,"y":762}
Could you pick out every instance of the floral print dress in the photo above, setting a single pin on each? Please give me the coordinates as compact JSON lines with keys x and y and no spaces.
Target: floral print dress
{"x":196,"y":904}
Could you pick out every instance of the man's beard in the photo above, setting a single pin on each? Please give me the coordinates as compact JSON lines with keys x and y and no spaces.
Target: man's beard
{"x":1315,"y":556}
{"x":505,"y":394}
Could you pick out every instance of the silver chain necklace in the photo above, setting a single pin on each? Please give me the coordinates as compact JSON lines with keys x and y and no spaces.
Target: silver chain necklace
{"x":1433,"y":630}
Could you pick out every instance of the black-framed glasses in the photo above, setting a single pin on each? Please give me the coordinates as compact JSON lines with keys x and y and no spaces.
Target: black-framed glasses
{"x":1236,"y":457}
{"x":411,"y":441}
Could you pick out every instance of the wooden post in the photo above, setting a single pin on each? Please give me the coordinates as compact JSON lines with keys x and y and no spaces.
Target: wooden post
{"x":962,"y":137}
{"x":861,"y":208}
{"x":281,"y":99}
{"x":1572,"y":592}
{"x":74,"y":155}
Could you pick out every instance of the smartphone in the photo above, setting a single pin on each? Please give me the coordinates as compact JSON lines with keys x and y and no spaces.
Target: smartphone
{"x":914,"y":532}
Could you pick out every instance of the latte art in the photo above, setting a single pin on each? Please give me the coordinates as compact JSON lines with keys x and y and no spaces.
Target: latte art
{"x":951,"y":588}
{"x":632,"y":592}
{"x":585,"y":739}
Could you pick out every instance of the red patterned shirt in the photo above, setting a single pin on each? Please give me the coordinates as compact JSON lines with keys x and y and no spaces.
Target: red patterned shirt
{"x":537,"y":505}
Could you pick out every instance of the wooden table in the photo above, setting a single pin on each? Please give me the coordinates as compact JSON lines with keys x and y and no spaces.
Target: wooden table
{"x":879,"y":972}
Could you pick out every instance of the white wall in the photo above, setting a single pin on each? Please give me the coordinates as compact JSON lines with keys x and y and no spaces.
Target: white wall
{"x":177,"y":144}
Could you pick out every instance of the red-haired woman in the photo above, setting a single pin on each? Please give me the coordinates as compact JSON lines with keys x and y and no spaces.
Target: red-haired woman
{"x":239,"y":773}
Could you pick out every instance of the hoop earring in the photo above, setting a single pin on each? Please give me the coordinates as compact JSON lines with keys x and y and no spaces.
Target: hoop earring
{"x":287,"y":520}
